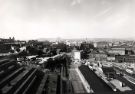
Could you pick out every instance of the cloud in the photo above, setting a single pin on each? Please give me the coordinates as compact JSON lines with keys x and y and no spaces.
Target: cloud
{"x":67,"y":19}
{"x":75,"y":2}
{"x":104,"y":12}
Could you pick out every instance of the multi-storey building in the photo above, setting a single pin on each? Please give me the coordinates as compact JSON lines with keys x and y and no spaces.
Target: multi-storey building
{"x":125,"y":58}
{"x":98,"y":56}
{"x":117,"y":51}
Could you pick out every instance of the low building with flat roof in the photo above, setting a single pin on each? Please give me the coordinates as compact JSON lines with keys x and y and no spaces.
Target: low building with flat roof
{"x":120,"y":86}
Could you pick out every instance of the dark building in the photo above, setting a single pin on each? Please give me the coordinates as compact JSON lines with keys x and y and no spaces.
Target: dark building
{"x":10,"y":40}
{"x":125,"y":58}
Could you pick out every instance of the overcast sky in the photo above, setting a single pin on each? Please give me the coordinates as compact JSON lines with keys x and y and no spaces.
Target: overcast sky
{"x":32,"y":19}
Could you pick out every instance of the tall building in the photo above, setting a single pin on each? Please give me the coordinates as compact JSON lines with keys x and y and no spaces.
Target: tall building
{"x":76,"y":56}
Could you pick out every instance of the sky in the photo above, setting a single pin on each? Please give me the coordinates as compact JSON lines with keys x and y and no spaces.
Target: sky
{"x":33,"y":19}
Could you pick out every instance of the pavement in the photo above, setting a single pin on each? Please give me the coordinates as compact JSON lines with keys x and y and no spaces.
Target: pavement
{"x":75,"y":80}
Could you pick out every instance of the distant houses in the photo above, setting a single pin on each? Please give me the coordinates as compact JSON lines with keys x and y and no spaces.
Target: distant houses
{"x":11,"y":45}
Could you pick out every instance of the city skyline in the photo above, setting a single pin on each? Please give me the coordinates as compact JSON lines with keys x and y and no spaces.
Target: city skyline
{"x":26,"y":19}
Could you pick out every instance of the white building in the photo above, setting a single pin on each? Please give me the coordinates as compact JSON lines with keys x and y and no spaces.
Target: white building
{"x":120,"y":51}
{"x":76,"y":56}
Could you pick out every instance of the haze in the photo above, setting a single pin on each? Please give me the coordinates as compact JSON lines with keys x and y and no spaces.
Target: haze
{"x":33,"y":19}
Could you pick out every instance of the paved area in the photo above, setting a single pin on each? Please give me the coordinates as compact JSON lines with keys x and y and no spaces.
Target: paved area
{"x":75,"y":80}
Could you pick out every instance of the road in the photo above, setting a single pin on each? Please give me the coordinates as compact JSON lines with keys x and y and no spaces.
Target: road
{"x":75,"y":80}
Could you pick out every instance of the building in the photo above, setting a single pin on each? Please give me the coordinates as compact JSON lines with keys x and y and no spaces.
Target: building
{"x":100,"y":44}
{"x":10,"y":40}
{"x":111,"y":57}
{"x":98,"y":56}
{"x":76,"y":56}
{"x":125,"y":58}
{"x":117,"y":51}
